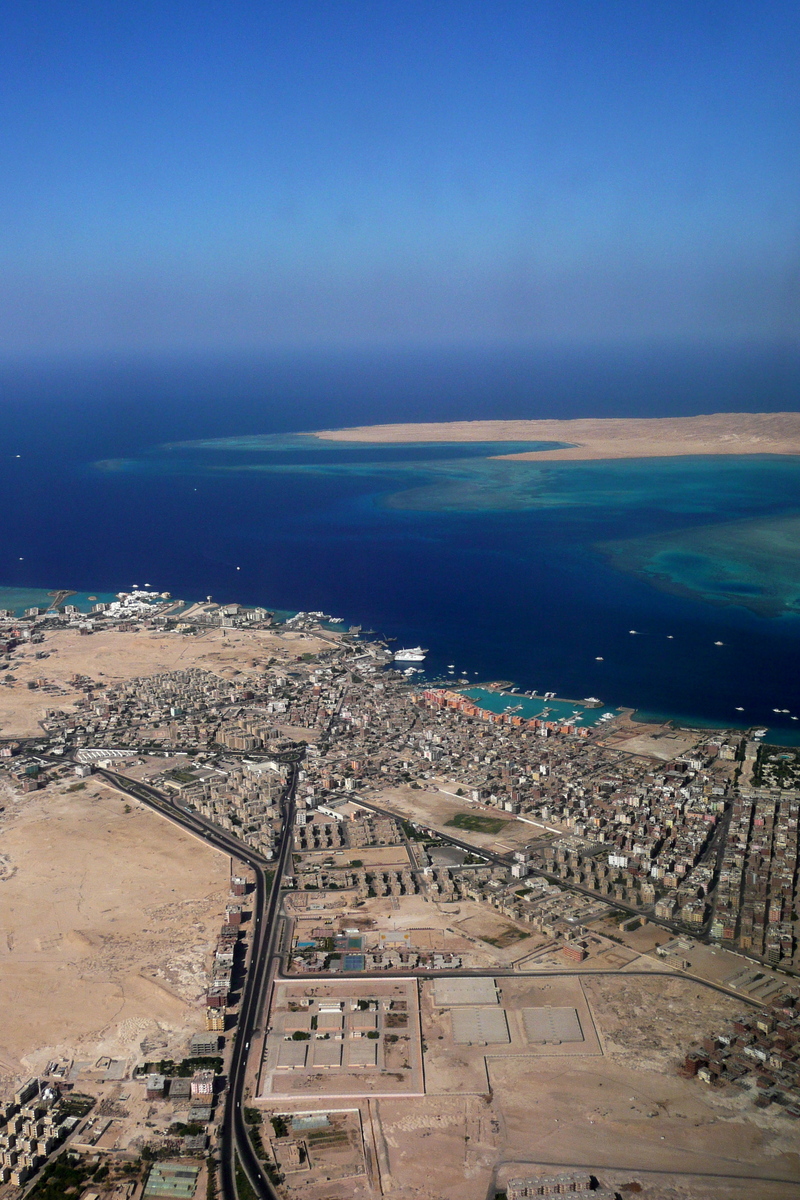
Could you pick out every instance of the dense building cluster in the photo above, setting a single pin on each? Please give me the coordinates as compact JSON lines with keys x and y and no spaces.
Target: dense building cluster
{"x":756,"y":897}
{"x":683,"y":840}
{"x":32,"y":1126}
{"x":759,"y":1054}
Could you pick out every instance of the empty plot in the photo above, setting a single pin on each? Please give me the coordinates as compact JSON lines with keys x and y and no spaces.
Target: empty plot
{"x":480,"y":1026}
{"x":449,"y":992}
{"x":554,"y":1025}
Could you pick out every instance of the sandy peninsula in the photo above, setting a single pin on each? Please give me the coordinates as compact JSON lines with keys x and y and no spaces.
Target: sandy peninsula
{"x":618,"y":437}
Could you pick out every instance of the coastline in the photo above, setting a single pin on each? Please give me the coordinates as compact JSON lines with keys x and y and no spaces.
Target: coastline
{"x":43,"y":597}
{"x":607,"y":438}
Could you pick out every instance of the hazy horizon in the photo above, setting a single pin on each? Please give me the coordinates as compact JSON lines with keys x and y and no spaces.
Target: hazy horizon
{"x":195,"y":178}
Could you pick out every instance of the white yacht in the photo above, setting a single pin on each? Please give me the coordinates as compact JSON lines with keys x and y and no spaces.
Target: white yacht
{"x":415,"y":654}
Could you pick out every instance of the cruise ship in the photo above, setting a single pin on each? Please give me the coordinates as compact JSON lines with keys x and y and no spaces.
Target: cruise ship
{"x":415,"y":654}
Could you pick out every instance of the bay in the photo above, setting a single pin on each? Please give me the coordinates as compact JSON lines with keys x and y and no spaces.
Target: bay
{"x":533,"y":574}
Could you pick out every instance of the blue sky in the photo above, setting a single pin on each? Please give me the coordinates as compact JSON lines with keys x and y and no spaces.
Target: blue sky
{"x":254,"y":175}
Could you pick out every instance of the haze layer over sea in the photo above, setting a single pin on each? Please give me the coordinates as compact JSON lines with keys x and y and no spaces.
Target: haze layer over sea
{"x":528,"y":572}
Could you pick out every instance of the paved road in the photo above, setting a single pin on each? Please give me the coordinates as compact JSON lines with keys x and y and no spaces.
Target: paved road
{"x":505,"y":860}
{"x":743,"y":1176}
{"x":510,"y":973}
{"x":234,"y":1140}
{"x":234,"y":1137}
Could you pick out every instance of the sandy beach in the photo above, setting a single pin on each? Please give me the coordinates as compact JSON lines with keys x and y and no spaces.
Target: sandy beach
{"x":618,"y":437}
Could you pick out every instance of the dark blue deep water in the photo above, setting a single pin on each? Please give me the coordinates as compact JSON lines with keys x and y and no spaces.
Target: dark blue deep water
{"x":528,"y":573}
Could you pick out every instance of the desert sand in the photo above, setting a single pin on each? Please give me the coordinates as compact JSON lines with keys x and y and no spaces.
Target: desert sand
{"x":623,"y":437}
{"x":623,"y":1114}
{"x":108,"y":918}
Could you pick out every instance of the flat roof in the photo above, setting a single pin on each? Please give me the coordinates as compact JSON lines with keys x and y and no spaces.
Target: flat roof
{"x":448,"y":992}
{"x":554,"y":1025}
{"x":296,"y":1020}
{"x":330,"y":1020}
{"x":172,"y":1179}
{"x":484,"y":1026}
{"x":292,"y":1054}
{"x":326,"y":1053}
{"x":363,"y":1019}
{"x":362,"y":1052}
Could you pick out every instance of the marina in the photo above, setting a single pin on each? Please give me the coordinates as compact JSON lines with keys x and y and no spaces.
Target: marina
{"x":536,"y":707}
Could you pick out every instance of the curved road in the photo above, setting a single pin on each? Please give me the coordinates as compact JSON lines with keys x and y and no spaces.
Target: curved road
{"x":234,"y":1139}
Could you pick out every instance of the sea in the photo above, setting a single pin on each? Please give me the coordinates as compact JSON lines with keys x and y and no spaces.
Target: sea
{"x":669,"y":586}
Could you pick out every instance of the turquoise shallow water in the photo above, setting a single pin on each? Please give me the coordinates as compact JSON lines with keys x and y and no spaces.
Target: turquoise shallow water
{"x":531,"y":572}
{"x":678,"y":510}
{"x":18,"y":599}
{"x":650,"y":583}
{"x":530,"y":707}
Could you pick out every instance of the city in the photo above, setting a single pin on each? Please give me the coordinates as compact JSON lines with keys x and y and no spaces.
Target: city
{"x":424,"y":899}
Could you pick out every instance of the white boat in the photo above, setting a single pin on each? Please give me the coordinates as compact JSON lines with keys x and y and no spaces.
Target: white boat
{"x":415,"y":654}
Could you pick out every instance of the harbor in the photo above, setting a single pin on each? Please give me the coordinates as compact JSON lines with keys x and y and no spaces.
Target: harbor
{"x":539,"y":708}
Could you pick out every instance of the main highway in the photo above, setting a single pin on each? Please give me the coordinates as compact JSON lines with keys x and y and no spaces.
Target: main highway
{"x":234,"y":1139}
{"x":264,"y":957}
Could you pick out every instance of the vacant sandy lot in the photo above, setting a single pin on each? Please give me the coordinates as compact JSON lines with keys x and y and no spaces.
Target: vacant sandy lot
{"x":664,"y":745}
{"x":107,"y":920}
{"x":625,"y":1111}
{"x":626,"y":437}
{"x":434,"y":809}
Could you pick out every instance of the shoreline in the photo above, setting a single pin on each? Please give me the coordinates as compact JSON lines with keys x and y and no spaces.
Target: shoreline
{"x":595,"y":439}
{"x":681,"y":721}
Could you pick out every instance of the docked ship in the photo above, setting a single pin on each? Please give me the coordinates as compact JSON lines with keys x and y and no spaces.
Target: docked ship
{"x":415,"y":654}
